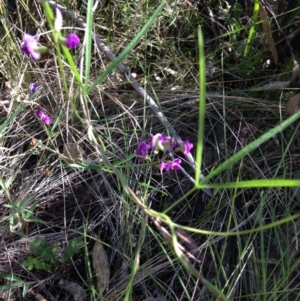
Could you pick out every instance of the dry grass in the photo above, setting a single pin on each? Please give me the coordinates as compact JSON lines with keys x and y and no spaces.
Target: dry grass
{"x":80,"y":201}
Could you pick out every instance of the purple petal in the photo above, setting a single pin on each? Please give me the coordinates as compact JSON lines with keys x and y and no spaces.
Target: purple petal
{"x":141,"y":153}
{"x":155,"y":140}
{"x":30,"y":46}
{"x":164,"y":165}
{"x":165,"y":140}
{"x":47,"y":120}
{"x":72,"y":40}
{"x":33,"y":88}
{"x":175,"y":164}
{"x":142,"y":150}
{"x":187,"y":147}
{"x":41,"y":113}
{"x":162,"y":143}
{"x":144,"y":145}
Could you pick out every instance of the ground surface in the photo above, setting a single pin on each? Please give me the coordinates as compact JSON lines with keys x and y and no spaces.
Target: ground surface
{"x":67,"y":217}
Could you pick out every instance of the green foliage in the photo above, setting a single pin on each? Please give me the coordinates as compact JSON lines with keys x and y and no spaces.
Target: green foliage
{"x":32,"y":263}
{"x":10,"y":281}
{"x":72,"y":249}
{"x":44,"y":256}
{"x":40,"y":248}
{"x":19,"y":213}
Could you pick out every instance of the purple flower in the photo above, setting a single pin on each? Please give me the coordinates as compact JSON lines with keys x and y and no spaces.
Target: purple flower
{"x":40,"y":113}
{"x":58,"y":22}
{"x":164,"y":165}
{"x":187,"y":147}
{"x":30,"y":46}
{"x":142,"y":150}
{"x":157,"y":140}
{"x":45,"y":118}
{"x":72,"y":40}
{"x":173,"y":165}
{"x":33,"y":88}
{"x":163,"y":143}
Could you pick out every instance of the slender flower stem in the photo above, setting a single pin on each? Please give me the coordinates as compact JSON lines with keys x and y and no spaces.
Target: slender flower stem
{"x":56,"y":35}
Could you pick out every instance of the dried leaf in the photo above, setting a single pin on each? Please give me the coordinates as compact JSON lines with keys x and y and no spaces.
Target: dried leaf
{"x":74,"y":289}
{"x":71,"y":152}
{"x":101,"y":266}
{"x":267,"y":31}
{"x":296,"y":71}
{"x":292,"y":106}
{"x":39,"y":297}
{"x":277,"y":85}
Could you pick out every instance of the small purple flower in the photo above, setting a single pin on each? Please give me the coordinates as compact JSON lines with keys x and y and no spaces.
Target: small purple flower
{"x":187,"y":147}
{"x":33,"y":88}
{"x":173,"y":165}
{"x":157,"y":140}
{"x":142,"y":150}
{"x":164,"y":165}
{"x":30,"y":46}
{"x":40,"y":113}
{"x":45,"y":118}
{"x":72,"y":41}
{"x":163,"y":143}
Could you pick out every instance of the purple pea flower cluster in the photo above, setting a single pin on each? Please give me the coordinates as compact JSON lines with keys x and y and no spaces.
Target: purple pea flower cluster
{"x":165,"y":144}
{"x":44,"y":117}
{"x":31,"y":47}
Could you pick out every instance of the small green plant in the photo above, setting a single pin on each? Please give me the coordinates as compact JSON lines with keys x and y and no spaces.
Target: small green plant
{"x":20,"y":214}
{"x":44,"y":255}
{"x":32,"y":263}
{"x":19,"y":211}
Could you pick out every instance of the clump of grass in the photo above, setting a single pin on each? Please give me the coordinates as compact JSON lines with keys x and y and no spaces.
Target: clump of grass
{"x":225,"y":229}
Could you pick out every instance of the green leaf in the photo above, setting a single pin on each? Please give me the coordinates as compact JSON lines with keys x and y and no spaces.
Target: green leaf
{"x":88,"y":41}
{"x":22,"y":204}
{"x":252,"y":28}
{"x":32,"y":263}
{"x":202,"y":104}
{"x":72,"y":249}
{"x":13,"y":282}
{"x":11,"y":118}
{"x":40,"y":248}
{"x":29,"y":212}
